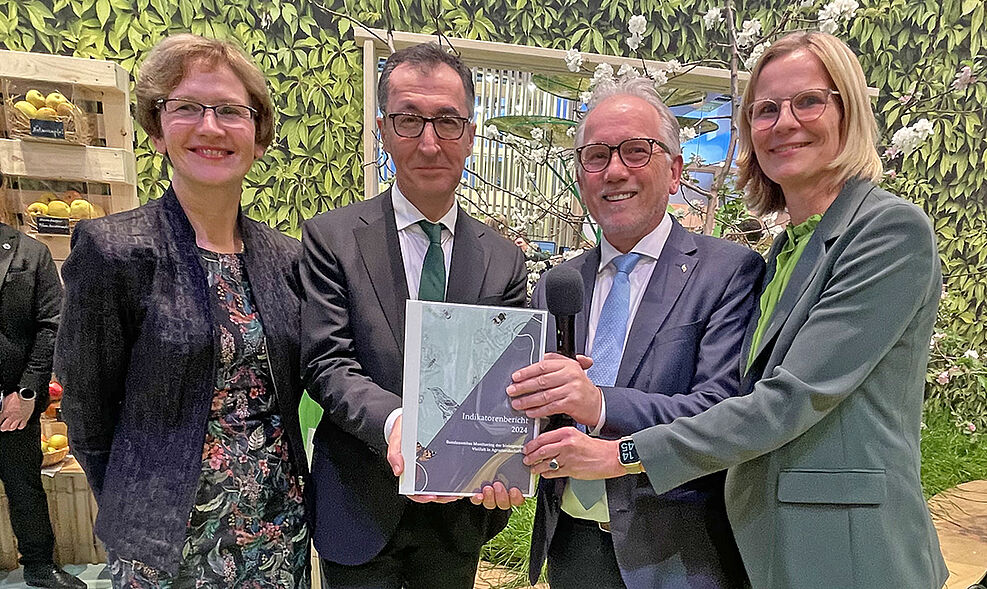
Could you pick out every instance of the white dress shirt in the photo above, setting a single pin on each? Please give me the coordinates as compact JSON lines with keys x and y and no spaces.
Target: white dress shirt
{"x":414,"y":245}
{"x":650,"y":247}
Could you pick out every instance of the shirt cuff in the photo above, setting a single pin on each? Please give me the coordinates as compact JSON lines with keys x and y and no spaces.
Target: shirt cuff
{"x":389,"y":423}
{"x":603,"y":414}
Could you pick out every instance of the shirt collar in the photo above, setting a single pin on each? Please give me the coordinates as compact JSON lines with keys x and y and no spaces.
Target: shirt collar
{"x":650,"y":245}
{"x":407,"y":214}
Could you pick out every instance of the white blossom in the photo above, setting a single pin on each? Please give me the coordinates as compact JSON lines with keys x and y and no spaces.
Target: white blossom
{"x":971,"y":354}
{"x":749,"y":32}
{"x":837,"y":11}
{"x":755,"y":55}
{"x":806,"y":3}
{"x":687,"y":134}
{"x":964,"y":78}
{"x":584,"y":97}
{"x":573,"y":60}
{"x":531,"y":177}
{"x":570,"y":254}
{"x":712,"y":17}
{"x":907,"y":139}
{"x":829,"y":26}
{"x":491,"y":132}
{"x":570,"y":132}
{"x":538,"y":155}
{"x":603,"y":74}
{"x":943,"y":377}
{"x":659,"y":76}
{"x":673,"y":66}
{"x":628,"y":71}
{"x":537,"y":133}
{"x":637,"y":24}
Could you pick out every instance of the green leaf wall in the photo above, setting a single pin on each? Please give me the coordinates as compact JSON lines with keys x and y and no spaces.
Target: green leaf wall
{"x":314,"y":67}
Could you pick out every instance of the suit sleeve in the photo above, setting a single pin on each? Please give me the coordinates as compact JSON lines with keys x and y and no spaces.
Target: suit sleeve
{"x":717,"y":374}
{"x":90,"y":358}
{"x":333,"y":375}
{"x":885,"y":274}
{"x":47,"y":304}
{"x":516,"y":293}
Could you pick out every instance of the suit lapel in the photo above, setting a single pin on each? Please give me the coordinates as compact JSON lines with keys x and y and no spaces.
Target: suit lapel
{"x":831,"y":226}
{"x":468,"y":265}
{"x":378,"y":243}
{"x":7,"y":247}
{"x":672,"y":271}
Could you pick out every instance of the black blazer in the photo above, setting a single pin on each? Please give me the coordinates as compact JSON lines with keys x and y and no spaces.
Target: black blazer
{"x":352,"y":349}
{"x":30,"y":297}
{"x":136,"y":355}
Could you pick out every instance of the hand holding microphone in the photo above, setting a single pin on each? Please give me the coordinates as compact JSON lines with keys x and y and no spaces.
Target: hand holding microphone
{"x":557,"y":386}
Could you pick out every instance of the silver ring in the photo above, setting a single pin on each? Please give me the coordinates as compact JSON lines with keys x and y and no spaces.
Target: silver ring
{"x":553,"y":464}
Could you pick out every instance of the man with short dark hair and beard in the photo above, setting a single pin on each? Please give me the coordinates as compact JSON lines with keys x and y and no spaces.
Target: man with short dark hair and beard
{"x":361,"y":264}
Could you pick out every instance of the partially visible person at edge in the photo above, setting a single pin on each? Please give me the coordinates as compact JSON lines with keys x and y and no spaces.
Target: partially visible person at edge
{"x":179,"y":347}
{"x":823,"y":487}
{"x":30,"y":296}
{"x":361,"y":264}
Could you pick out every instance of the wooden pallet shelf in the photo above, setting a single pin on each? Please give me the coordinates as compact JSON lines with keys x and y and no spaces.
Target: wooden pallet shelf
{"x":113,"y":165}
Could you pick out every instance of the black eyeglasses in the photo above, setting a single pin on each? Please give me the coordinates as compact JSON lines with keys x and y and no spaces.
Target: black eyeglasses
{"x":635,"y":153}
{"x":189,"y":111}
{"x":410,"y":125}
{"x":806,"y":106}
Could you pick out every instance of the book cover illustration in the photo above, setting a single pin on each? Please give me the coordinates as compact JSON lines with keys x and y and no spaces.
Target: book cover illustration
{"x":459,"y":430}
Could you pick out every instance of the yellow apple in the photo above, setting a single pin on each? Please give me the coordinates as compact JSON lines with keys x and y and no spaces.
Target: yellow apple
{"x":81,"y":209}
{"x":46,"y":114}
{"x":37,"y":208}
{"x":36,"y":98}
{"x":54,"y":99}
{"x":27,"y":108}
{"x":57,"y":208}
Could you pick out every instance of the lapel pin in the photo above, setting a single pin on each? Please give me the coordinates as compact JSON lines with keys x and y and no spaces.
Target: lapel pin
{"x":6,"y":246}
{"x":684,"y":268}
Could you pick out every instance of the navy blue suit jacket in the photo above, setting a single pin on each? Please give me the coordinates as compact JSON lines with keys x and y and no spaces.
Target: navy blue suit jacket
{"x":682,"y":356}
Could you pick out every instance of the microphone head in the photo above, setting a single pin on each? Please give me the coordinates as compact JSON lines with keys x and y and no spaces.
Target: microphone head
{"x":564,"y":291}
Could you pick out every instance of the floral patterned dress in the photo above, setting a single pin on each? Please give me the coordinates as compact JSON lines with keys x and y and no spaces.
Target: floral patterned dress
{"x":247,"y":529}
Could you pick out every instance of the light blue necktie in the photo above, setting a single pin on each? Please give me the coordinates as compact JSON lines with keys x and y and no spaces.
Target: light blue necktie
{"x":608,"y":348}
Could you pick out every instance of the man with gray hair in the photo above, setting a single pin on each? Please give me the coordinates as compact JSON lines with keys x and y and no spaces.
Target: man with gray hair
{"x":658,"y":338}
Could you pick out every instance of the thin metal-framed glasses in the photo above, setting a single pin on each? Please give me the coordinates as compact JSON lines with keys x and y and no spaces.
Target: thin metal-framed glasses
{"x":411,"y":126}
{"x":806,"y":106}
{"x":634,"y":153}
{"x":189,"y":111}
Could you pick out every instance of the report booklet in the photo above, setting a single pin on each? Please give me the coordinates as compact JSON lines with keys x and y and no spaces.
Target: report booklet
{"x":458,"y":429}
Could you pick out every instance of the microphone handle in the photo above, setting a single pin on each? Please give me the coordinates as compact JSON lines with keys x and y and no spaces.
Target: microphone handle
{"x":565,"y":344}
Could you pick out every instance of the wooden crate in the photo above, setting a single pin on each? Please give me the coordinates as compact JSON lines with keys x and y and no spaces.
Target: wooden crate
{"x":72,"y":509}
{"x":107,"y":86}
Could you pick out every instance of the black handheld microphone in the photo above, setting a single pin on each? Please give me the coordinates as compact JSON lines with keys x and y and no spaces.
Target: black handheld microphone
{"x":564,"y":297}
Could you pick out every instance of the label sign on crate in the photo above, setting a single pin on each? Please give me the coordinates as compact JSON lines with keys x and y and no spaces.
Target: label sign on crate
{"x":48,"y":129}
{"x":52,"y":225}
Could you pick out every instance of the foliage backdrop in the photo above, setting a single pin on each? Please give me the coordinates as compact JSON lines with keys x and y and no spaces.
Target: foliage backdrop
{"x":908,"y":48}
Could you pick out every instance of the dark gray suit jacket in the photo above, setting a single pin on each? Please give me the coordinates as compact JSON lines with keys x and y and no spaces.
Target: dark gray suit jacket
{"x":30,"y":298}
{"x":823,"y":487}
{"x":680,"y":359}
{"x":353,"y":357}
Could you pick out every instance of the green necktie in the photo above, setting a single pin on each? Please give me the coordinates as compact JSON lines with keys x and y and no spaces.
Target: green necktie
{"x":433,"y":283}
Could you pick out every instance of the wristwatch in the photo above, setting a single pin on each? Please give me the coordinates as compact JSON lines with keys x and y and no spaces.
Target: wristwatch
{"x":627,"y":454}
{"x":27,"y":394}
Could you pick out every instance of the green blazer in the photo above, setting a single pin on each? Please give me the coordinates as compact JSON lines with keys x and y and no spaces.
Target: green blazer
{"x":823,"y":487}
